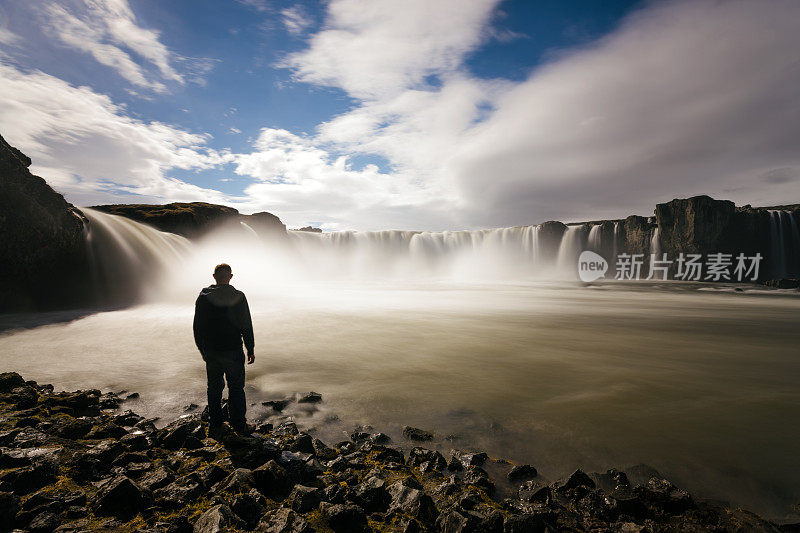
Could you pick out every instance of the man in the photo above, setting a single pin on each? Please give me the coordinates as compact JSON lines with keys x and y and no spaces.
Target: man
{"x":221,"y":322}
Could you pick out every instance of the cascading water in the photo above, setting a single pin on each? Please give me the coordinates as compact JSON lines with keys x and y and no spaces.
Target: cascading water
{"x":777,"y":245}
{"x":572,"y":243}
{"x":594,"y":241}
{"x":784,"y":244}
{"x":128,"y":259}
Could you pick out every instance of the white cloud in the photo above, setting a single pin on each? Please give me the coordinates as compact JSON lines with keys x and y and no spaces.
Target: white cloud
{"x":380,"y":48}
{"x":107,"y":30}
{"x":8,"y":37}
{"x":685,"y":97}
{"x":296,"y":20}
{"x":87,"y":147}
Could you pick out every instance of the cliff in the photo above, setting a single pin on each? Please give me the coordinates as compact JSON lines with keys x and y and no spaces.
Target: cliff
{"x":195,"y":219}
{"x":42,"y":249}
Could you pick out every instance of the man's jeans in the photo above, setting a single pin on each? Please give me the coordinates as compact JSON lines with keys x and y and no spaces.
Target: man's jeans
{"x":229,"y":364}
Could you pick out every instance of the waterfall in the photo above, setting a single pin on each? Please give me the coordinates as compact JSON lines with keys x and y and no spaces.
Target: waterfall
{"x":595,"y":239}
{"x":778,"y":257}
{"x":572,"y":244}
{"x":655,"y":244}
{"x":127,"y":258}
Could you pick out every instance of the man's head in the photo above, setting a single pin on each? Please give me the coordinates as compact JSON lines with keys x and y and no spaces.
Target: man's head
{"x":223,"y":273}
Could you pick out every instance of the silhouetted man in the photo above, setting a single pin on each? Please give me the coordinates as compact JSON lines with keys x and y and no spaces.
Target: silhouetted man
{"x":221,"y":322}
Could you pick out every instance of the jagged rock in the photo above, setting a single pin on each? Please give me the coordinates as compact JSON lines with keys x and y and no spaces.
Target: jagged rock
{"x":108,"y":430}
{"x":9,"y":507}
{"x":10,"y":381}
{"x":412,"y":501}
{"x":284,"y":520}
{"x":120,"y":497}
{"x":72,"y":428}
{"x":345,"y":518}
{"x":239,"y":481}
{"x":550,"y":235}
{"x":310,"y":397}
{"x":179,"y":493}
{"x":522,"y":472}
{"x":472,"y":459}
{"x":371,"y":495}
{"x":665,"y":496}
{"x":277,"y":405}
{"x":216,"y":519}
{"x":249,"y":507}
{"x":304,"y":499}
{"x":29,"y":478}
{"x":478,"y":477}
{"x":175,"y":434}
{"x":577,"y":479}
{"x":430,"y":459}
{"x":416,"y":434}
{"x":23,"y":397}
{"x":272,"y":479}
{"x":533,"y":492}
{"x":158,"y":478}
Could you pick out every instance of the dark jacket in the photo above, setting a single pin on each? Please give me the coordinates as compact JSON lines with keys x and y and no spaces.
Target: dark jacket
{"x":222,"y":320}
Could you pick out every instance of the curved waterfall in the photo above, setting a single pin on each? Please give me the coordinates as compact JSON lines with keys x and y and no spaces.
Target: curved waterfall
{"x":127,"y":258}
{"x":130,"y":259}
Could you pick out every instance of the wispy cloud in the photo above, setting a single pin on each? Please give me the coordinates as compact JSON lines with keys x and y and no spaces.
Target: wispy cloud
{"x":296,"y":20}
{"x":109,"y":32}
{"x":88,"y":147}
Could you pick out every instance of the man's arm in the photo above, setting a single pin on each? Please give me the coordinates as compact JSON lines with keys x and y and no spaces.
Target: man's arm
{"x":200,"y":325}
{"x":246,"y":323}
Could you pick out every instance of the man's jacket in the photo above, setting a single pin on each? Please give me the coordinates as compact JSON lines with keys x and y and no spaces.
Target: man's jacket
{"x":222,"y":320}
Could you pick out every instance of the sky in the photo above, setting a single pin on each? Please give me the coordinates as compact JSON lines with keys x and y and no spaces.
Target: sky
{"x":406,"y":114}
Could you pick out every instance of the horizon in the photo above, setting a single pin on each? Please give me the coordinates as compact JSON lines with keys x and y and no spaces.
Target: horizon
{"x":429,"y":117}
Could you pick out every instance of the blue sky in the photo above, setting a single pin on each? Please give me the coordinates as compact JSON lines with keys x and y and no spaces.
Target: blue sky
{"x":434,"y":114}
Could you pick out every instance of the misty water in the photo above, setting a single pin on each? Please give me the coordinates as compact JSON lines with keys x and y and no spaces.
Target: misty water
{"x":697,"y":381}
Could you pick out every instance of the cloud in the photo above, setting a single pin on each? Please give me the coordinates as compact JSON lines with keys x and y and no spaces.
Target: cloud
{"x":87,"y":147}
{"x":296,"y":20}
{"x":376,"y":49}
{"x":109,"y":32}
{"x":684,"y":97}
{"x":8,"y":37}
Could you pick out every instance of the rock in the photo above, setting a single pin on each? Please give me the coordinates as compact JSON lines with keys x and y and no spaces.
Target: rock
{"x":533,"y":492}
{"x":416,"y":434}
{"x":346,"y":518}
{"x":310,"y":397}
{"x":412,"y":501}
{"x":371,"y":495}
{"x":72,"y":428}
{"x":175,"y":434}
{"x":284,"y":520}
{"x":180,"y":493}
{"x":472,"y":459}
{"x":29,"y":478}
{"x":249,"y":507}
{"x":304,"y":499}
{"x":23,"y":397}
{"x":120,"y":497}
{"x":550,"y":234}
{"x":577,"y":479}
{"x":431,"y":458}
{"x":216,"y":519}
{"x":44,"y":522}
{"x":108,"y":430}
{"x":665,"y":496}
{"x":521,"y":473}
{"x":10,"y":380}
{"x":478,"y":477}
{"x":214,"y":473}
{"x":303,"y":443}
{"x":44,"y":256}
{"x":310,"y":229}
{"x":272,"y":480}
{"x":239,"y":481}
{"x":277,"y":405}
{"x":158,"y":478}
{"x":9,"y":507}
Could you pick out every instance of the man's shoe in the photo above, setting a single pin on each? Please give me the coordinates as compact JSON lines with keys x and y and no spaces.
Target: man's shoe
{"x":243,"y":429}
{"x":216,"y":431}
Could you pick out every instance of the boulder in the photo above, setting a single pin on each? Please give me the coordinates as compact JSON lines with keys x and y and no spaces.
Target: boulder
{"x":344,"y":518}
{"x":216,"y":519}
{"x":304,"y":499}
{"x":284,"y":520}
{"x":120,"y":497}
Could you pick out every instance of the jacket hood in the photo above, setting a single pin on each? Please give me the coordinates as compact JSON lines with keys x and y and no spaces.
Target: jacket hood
{"x":221,"y":295}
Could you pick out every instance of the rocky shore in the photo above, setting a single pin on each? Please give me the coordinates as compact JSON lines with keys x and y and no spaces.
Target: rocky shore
{"x":76,"y":461}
